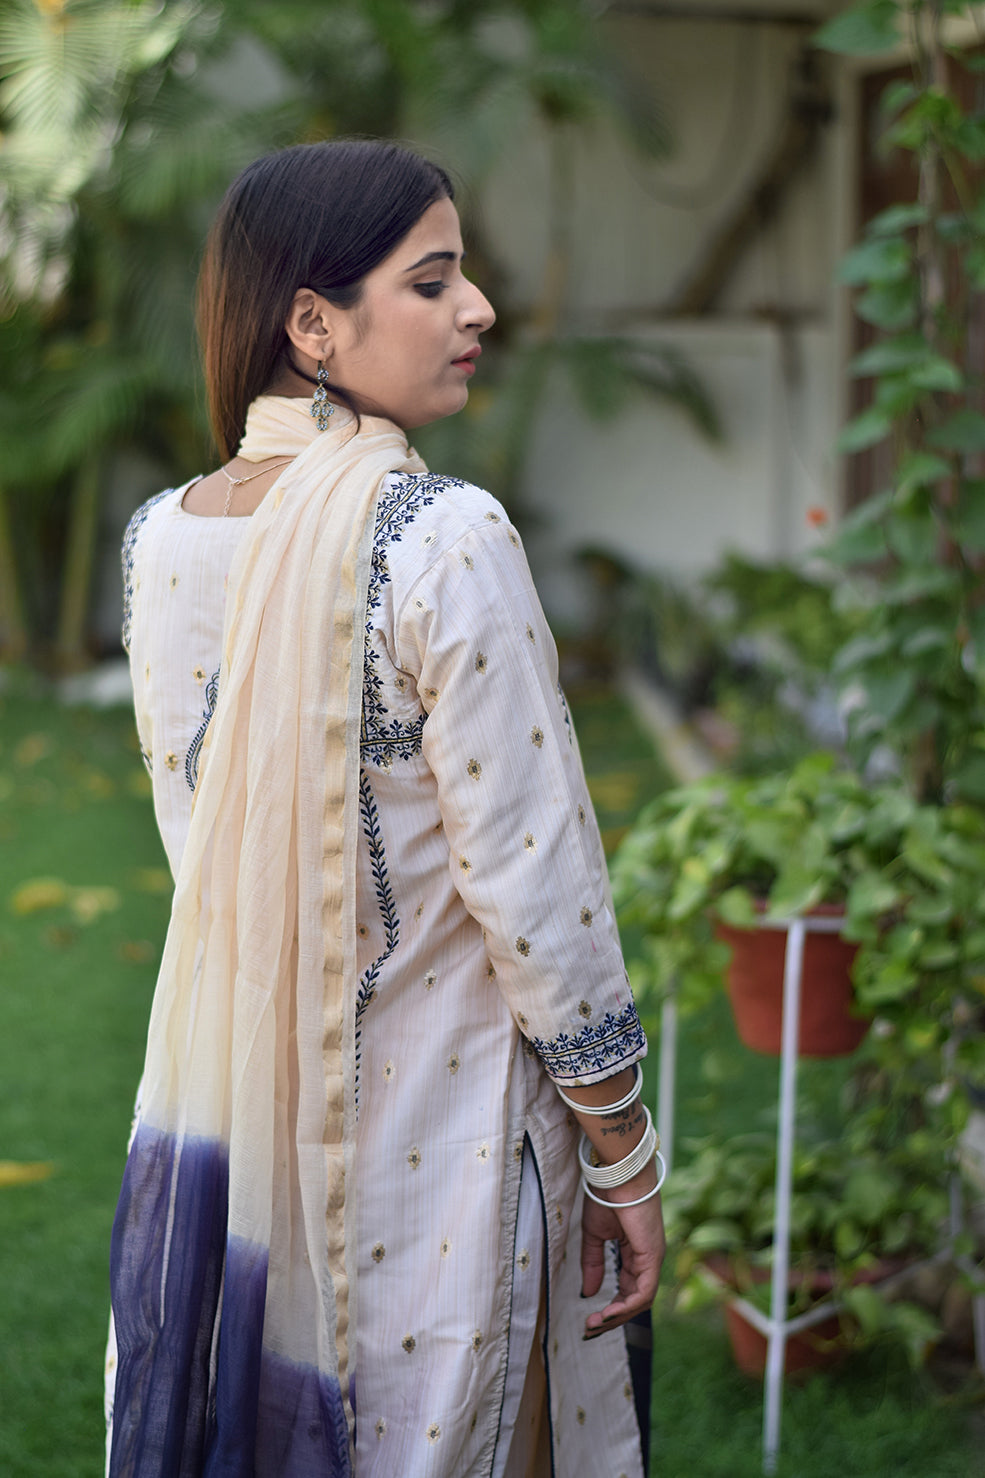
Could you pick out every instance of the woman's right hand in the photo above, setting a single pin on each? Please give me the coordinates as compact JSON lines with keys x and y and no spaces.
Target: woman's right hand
{"x":639,"y":1232}
{"x":614,"y":1127}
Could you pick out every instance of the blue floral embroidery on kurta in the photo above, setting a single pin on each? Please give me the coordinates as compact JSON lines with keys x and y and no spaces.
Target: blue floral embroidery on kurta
{"x":596,"y":1048}
{"x":384,"y":738}
{"x":384,"y":897}
{"x":195,"y":747}
{"x":567,"y":717}
{"x":129,"y":546}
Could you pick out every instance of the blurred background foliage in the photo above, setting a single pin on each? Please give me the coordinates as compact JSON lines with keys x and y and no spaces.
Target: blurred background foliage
{"x":124,"y":120}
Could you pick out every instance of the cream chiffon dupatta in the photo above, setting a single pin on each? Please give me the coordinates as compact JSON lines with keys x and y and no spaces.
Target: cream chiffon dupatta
{"x":232,"y":1262}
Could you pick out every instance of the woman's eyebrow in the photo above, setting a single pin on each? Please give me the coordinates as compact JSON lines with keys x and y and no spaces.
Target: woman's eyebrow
{"x":435,"y":256}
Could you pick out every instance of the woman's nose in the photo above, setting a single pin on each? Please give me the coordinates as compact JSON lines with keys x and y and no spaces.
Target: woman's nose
{"x":478,"y":312}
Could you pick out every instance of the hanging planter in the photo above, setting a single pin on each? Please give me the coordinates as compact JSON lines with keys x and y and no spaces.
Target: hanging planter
{"x":703,"y":861}
{"x":828,"y":1027}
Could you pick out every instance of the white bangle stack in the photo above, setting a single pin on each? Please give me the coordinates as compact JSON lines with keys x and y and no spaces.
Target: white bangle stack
{"x":605,"y":1177}
{"x":607,"y":1108}
{"x":618,"y":1205}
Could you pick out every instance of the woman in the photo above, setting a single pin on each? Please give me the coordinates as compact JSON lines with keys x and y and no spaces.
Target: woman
{"x":353,"y":1182}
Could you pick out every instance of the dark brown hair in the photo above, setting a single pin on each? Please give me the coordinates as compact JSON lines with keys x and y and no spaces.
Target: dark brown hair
{"x":315,"y":215}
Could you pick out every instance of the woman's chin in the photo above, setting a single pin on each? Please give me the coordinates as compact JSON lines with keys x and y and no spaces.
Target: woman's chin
{"x":426,"y":417}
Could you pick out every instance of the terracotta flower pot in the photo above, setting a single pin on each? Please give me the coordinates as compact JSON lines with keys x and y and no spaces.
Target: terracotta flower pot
{"x":813,"y":1349}
{"x":755,"y":986}
{"x":817,"y":1348}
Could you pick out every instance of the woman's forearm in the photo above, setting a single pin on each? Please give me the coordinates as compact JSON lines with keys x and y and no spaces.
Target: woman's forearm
{"x":614,"y":1134}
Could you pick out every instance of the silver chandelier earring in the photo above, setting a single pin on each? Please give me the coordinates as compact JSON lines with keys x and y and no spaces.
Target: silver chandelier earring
{"x":322,"y":409}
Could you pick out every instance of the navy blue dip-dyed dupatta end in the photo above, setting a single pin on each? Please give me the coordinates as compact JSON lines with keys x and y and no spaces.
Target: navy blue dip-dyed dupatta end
{"x":232,"y":1253}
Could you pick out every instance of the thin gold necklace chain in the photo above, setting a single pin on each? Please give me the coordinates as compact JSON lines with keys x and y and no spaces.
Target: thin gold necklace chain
{"x":237,"y":482}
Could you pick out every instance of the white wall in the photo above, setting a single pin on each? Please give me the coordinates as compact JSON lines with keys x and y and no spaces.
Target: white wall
{"x":770,"y":353}
{"x":652,"y":491}
{"x":639,"y":224}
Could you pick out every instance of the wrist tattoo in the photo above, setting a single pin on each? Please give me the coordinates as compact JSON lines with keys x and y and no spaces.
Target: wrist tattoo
{"x":624,"y":1127}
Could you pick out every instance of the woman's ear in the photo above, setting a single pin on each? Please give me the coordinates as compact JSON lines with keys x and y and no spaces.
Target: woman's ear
{"x":309,"y":325}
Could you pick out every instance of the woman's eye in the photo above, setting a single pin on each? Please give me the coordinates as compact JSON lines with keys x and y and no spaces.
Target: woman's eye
{"x":429,"y":289}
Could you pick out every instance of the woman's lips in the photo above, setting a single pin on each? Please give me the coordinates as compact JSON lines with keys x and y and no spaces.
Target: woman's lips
{"x":467,"y":360}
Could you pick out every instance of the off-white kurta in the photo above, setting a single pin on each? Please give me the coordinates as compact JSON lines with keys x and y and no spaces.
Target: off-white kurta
{"x":488,"y":962}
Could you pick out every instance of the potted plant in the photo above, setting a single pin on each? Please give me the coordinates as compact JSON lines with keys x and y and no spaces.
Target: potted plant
{"x":907,"y":878}
{"x":862,"y":1213}
{"x":731,"y":850}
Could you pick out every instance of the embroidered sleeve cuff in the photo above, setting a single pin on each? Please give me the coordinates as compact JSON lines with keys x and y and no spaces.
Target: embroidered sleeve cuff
{"x":597,"y":1051}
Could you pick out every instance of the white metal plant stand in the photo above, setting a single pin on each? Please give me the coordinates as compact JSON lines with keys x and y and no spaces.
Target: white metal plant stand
{"x":776,"y":1327}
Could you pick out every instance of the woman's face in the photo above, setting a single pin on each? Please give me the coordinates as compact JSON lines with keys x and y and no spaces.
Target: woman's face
{"x":409,"y":347}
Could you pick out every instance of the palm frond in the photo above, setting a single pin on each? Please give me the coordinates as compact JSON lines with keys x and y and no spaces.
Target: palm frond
{"x":606,"y":370}
{"x":63,"y":67}
{"x":78,"y":408}
{"x":66,"y":70}
{"x":189,"y":148}
{"x":474,"y":125}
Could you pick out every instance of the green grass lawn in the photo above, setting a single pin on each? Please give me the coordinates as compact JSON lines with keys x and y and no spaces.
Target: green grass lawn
{"x":83,"y":909}
{"x":75,"y":986}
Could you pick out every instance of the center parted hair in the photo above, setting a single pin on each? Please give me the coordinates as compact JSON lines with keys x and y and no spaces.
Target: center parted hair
{"x":315,"y":215}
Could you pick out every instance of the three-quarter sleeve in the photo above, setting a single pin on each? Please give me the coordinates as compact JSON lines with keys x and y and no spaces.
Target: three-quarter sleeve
{"x":524,"y":848}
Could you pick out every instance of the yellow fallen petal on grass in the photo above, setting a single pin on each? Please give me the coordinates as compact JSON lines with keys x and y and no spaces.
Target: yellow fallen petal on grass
{"x":611,"y":837}
{"x":32,"y":748}
{"x":616,"y":791}
{"x":136,"y":951}
{"x":61,"y":936}
{"x":153,"y":880}
{"x":99,"y":786}
{"x":139,"y":785}
{"x":39,"y":893}
{"x":88,"y":904}
{"x":22,"y":1172}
